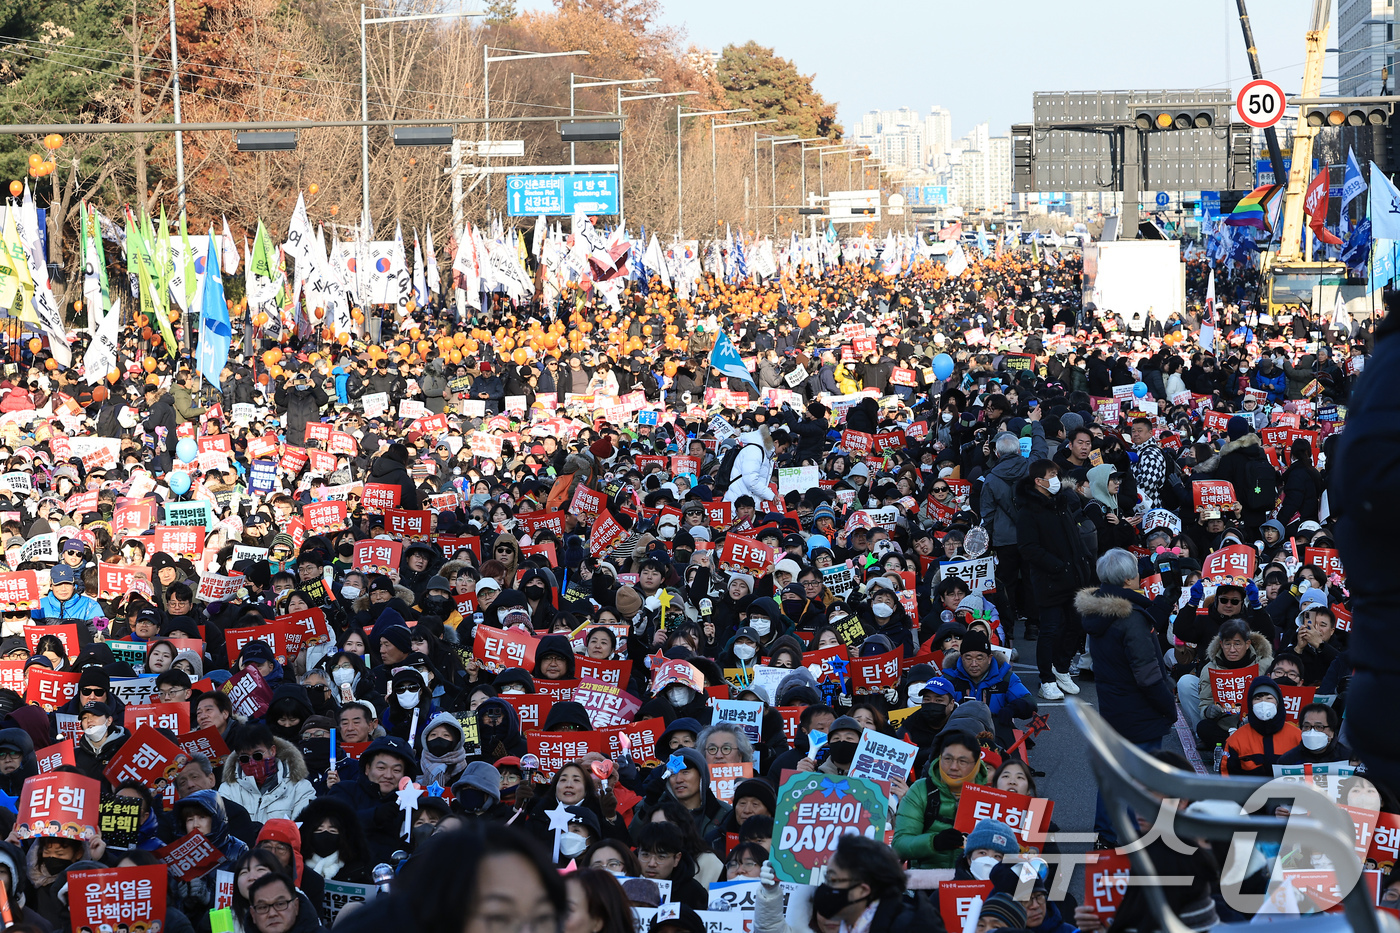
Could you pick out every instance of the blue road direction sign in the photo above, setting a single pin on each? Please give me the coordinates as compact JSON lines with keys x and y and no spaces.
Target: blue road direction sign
{"x":1210,"y":203}
{"x":530,"y":195}
{"x":1163,"y":199}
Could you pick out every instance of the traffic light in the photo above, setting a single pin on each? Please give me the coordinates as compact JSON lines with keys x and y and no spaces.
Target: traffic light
{"x":1353,"y":115}
{"x":1155,"y":120}
{"x":1022,"y":157}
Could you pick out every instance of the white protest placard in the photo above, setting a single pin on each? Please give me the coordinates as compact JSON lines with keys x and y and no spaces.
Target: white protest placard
{"x":376,"y":404}
{"x":882,"y":758}
{"x":40,"y":548}
{"x":840,"y":579}
{"x":1161,"y":518}
{"x":19,"y":482}
{"x":215,"y":588}
{"x":515,"y":403}
{"x":721,"y":428}
{"x":247,"y":552}
{"x":798,"y":479}
{"x":411,"y":409}
{"x":795,"y":378}
{"x":243,"y":412}
{"x":747,"y":714}
{"x":474,"y":407}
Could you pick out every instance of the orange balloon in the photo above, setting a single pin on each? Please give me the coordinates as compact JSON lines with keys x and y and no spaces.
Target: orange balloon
{"x":99,"y":394}
{"x":424,"y":347}
{"x":35,"y":344}
{"x":77,"y":306}
{"x":51,"y":364}
{"x":314,"y":189}
{"x":803,"y":319}
{"x":35,"y":161}
{"x":16,"y":188}
{"x":335,"y":209}
{"x":344,"y":340}
{"x":521,"y":357}
{"x":113,"y":376}
{"x":149,"y":364}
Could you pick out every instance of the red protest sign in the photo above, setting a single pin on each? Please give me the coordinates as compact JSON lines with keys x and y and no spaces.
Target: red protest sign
{"x":114,"y":580}
{"x":1105,"y":883}
{"x":172,"y":716}
{"x":324,"y":517}
{"x":341,"y":442}
{"x":877,"y":671}
{"x":1213,"y":493}
{"x":502,"y":648}
{"x":408,"y":523}
{"x":1027,"y":817}
{"x":1325,"y":557}
{"x":65,"y":632}
{"x":676,"y":671}
{"x":606,"y":532}
{"x":616,"y":673}
{"x":249,"y":693}
{"x":1228,"y":687}
{"x":380,"y":496}
{"x":191,"y":856}
{"x":377,"y":554}
{"x":309,"y":627}
{"x":1217,"y":422}
{"x":317,"y":431}
{"x":748,"y":553}
{"x":1295,"y":698}
{"x":55,"y":756}
{"x":606,"y":704}
{"x":221,"y":443}
{"x":206,"y":742}
{"x":824,"y":657}
{"x":554,"y":521}
{"x":133,"y":516}
{"x":1237,"y":560}
{"x":586,"y":503}
{"x":118,"y":898}
{"x":955,"y":899}
{"x":19,"y":590}
{"x":61,"y":804}
{"x":50,"y":689}
{"x":148,"y":757}
{"x":185,"y":540}
{"x":857,"y":443}
{"x":272,"y":635}
{"x":532,"y":708}
{"x":556,"y":749}
{"x":293,"y":459}
{"x":887,"y":441}
{"x":1385,"y":841}
{"x":641,"y":739}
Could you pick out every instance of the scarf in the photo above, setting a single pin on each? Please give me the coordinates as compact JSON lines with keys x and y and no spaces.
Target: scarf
{"x":328,"y":866}
{"x":955,"y":786}
{"x":437,"y":769}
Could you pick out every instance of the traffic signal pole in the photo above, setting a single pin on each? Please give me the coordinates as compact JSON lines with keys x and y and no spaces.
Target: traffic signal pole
{"x":1270,"y":134}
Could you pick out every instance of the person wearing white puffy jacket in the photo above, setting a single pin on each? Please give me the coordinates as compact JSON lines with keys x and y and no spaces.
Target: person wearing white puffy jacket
{"x":753,"y":468}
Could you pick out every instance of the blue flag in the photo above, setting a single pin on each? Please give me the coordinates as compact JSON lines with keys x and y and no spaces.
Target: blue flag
{"x":725,"y":357}
{"x":1353,"y":184}
{"x":215,"y":331}
{"x":1384,"y":206}
{"x":1357,"y":251}
{"x":741,"y":262}
{"x":1382,"y":264}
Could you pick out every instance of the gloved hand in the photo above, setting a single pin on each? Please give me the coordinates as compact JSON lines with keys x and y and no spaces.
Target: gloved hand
{"x":949,"y":840}
{"x":1132,"y":456}
{"x":1213,"y":712}
{"x":766,"y":875}
{"x":1251,"y":594}
{"x":1198,"y":593}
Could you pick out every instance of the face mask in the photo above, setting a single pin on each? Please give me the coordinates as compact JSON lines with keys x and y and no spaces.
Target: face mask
{"x":442,"y":606}
{"x":744,"y":652}
{"x":349,"y":592}
{"x":54,"y":864}
{"x":535,"y":592}
{"x":440,"y":747}
{"x":1315,"y":741}
{"x":981,"y":867}
{"x":259,"y":770}
{"x":343,"y":675}
{"x":1265,"y":709}
{"x":572,"y":844}
{"x":668,"y":532}
{"x":1054,"y":487}
{"x":761,"y":626}
{"x":828,"y":901}
{"x":947,"y":417}
{"x":678,"y":694}
{"x":95,"y":734}
{"x":841,"y":752}
{"x":408,"y":699}
{"x":512,"y":690}
{"x":882,"y":610}
{"x":346,"y":550}
{"x":324,"y":843}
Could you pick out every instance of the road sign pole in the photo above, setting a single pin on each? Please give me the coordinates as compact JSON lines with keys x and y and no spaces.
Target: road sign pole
{"x":1270,"y":134}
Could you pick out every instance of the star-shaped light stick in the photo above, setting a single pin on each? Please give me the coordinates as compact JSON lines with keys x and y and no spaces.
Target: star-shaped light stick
{"x":408,"y":802}
{"x":559,"y":819}
{"x":665,"y":598}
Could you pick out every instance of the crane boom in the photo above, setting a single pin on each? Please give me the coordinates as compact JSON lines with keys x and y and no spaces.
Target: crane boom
{"x":1290,"y":246}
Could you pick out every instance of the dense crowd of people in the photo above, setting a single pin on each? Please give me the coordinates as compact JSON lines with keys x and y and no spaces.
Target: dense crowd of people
{"x":448,"y":631}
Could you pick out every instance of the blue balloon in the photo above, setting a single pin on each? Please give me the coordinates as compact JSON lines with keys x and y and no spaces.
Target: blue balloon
{"x":942,"y":366}
{"x":1140,"y":389}
{"x":179,"y":482}
{"x":187,"y":451}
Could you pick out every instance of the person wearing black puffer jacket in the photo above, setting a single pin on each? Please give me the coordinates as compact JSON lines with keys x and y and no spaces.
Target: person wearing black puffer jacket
{"x":1047,"y":533}
{"x":392,"y":469}
{"x":811,"y":433}
{"x":301,"y":401}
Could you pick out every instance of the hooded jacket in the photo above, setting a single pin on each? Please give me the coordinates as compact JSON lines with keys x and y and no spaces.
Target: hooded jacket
{"x":556,"y":645}
{"x":18,"y":740}
{"x":350,"y":862}
{"x":1258,"y":744}
{"x":504,"y":741}
{"x":711,"y":815}
{"x":753,"y":467}
{"x":93,"y":762}
{"x":1134,"y":687}
{"x":1260,"y":653}
{"x":929,"y":808}
{"x":443,"y":769}
{"x":998,"y":505}
{"x":999,"y":687}
{"x":19,"y":890}
{"x":307,"y":879}
{"x":284,"y":795}
{"x":1234,"y":462}
{"x":378,"y":812}
{"x":392,"y":472}
{"x":197,"y":895}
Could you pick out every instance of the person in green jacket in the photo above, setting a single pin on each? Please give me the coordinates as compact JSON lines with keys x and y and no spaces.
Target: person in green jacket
{"x":928,"y":840}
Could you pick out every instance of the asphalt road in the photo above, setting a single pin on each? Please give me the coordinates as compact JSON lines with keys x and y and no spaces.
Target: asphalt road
{"x":1063,"y":755}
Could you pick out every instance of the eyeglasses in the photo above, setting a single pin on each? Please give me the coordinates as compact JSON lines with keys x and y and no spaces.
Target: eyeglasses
{"x":504,"y":550}
{"x":409,"y":688}
{"x":940,"y":489}
{"x":174,"y":693}
{"x":742,"y":863}
{"x":957,"y":762}
{"x":277,"y":906}
{"x":273,"y":846}
{"x":1231,"y":601}
{"x":713,"y":750}
{"x":612,"y":864}
{"x":93,"y":692}
{"x":255,"y":756}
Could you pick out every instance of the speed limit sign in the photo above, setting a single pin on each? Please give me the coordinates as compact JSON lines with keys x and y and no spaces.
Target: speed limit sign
{"x":1260,"y":104}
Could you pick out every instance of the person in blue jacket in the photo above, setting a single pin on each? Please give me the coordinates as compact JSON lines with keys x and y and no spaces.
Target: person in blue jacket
{"x":1272,"y":380}
{"x":978,"y":675}
{"x":64,"y":601}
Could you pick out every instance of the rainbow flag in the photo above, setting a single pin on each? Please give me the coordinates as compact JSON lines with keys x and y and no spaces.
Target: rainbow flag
{"x":1253,"y":209}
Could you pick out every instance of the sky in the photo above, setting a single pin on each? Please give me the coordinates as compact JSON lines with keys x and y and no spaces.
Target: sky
{"x":984,"y":60}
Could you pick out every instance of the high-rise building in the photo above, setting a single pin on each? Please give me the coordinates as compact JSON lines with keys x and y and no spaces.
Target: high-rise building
{"x":1363,"y":51}
{"x":938,"y":133}
{"x":980,"y":170}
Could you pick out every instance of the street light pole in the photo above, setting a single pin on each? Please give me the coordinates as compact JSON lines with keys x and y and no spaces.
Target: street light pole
{"x":714,"y":159}
{"x":179,"y":136}
{"x":621,"y":216}
{"x":680,"y":114}
{"x":596,"y":82}
{"x":511,"y":55}
{"x":365,"y":224}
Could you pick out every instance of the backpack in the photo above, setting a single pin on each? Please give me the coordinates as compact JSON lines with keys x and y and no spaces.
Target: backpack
{"x":1259,"y":475}
{"x":724,"y":477}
